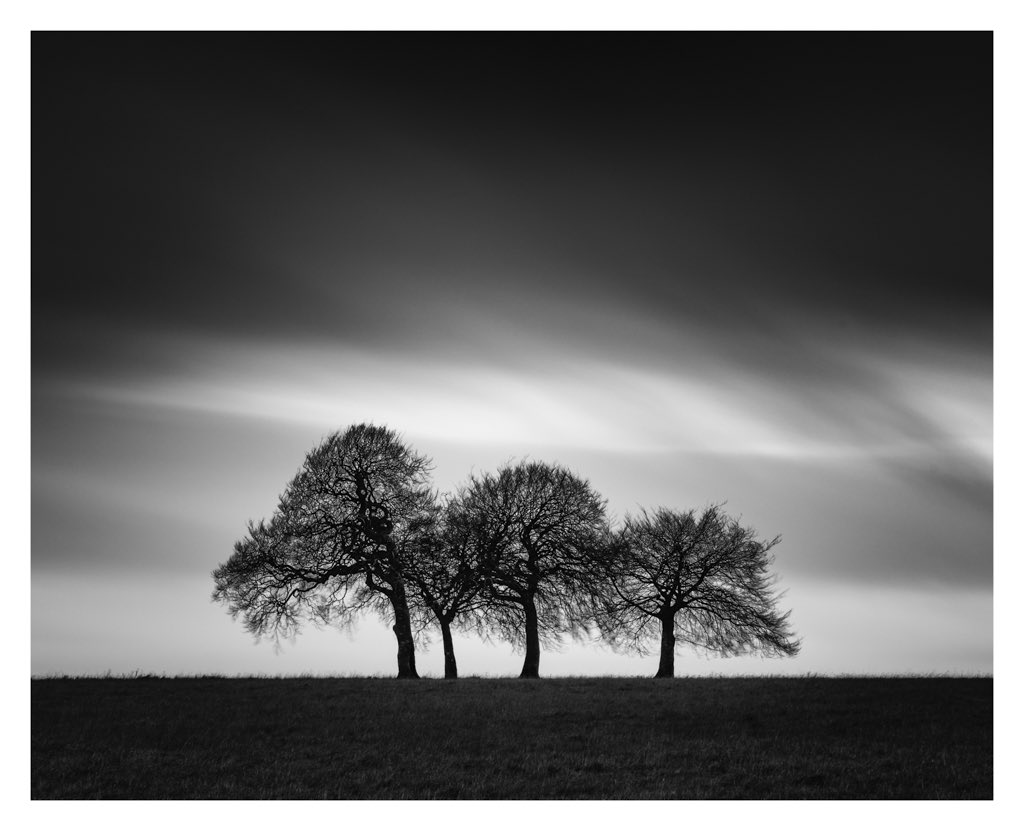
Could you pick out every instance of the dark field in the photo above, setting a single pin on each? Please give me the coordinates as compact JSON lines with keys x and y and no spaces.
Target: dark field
{"x":577,"y":738}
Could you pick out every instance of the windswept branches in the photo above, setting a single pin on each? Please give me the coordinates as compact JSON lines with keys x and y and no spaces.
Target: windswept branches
{"x":275,"y":579}
{"x":534,"y":529}
{"x":703,"y":580}
{"x":442,"y":567}
{"x":332,"y":546}
{"x":524,"y":554}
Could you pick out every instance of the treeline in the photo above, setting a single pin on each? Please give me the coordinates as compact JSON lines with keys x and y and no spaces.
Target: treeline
{"x":525,"y":554}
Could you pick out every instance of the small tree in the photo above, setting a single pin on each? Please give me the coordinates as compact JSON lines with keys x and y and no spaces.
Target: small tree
{"x":336,"y":543}
{"x":535,"y":529}
{"x":444,"y":572}
{"x":702,"y":581}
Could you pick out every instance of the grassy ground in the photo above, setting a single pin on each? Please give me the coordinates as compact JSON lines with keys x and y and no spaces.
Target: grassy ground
{"x":585,"y":738}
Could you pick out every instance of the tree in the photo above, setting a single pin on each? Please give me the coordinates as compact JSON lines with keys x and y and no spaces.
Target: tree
{"x":703,"y":581}
{"x":337,"y":543}
{"x":534,"y":528}
{"x":444,"y":572}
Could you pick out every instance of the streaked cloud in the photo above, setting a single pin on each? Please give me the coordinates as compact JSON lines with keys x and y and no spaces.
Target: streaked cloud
{"x":899,"y":408}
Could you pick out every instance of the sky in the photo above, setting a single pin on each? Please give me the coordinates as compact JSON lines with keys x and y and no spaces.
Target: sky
{"x":695,"y":268}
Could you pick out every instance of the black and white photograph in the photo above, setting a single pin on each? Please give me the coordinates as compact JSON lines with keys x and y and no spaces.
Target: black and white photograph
{"x":512,"y":415}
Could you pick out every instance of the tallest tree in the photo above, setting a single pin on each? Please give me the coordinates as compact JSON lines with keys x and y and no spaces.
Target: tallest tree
{"x":337,"y":542}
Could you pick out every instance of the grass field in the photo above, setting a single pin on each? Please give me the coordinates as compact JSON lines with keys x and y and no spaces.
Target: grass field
{"x":573,"y":738}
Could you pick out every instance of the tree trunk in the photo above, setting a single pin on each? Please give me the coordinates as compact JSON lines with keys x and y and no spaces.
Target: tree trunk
{"x":531,"y":664}
{"x":451,"y":670}
{"x":667,"y":665}
{"x":403,"y":633}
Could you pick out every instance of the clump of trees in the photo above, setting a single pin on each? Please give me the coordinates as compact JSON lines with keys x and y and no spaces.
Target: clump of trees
{"x":525,"y":554}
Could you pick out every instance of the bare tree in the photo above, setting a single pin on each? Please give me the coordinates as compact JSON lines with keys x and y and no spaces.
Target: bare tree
{"x":535,"y":529}
{"x":702,"y":581}
{"x":336,"y":543}
{"x":443,"y":569}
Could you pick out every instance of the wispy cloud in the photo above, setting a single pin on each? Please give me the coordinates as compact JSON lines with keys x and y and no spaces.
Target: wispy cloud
{"x":903,"y":408}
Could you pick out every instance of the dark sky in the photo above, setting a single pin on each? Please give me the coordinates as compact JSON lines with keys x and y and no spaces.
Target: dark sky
{"x":697,"y":266}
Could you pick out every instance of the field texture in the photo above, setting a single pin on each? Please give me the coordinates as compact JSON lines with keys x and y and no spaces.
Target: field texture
{"x":577,"y":738}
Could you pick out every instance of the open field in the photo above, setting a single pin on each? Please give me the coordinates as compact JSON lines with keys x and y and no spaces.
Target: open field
{"x":575,"y":738}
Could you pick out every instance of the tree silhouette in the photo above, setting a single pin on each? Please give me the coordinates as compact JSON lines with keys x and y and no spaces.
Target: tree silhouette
{"x":443,"y":570}
{"x":337,"y":542}
{"x":702,"y":581}
{"x":535,"y":529}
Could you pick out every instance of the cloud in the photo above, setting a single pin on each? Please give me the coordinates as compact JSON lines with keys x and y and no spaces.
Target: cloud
{"x":906,"y":407}
{"x":877,"y":471}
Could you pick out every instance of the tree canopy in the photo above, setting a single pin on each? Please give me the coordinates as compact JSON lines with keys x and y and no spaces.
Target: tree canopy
{"x":525,"y":554}
{"x":704,"y":581}
{"x":337,"y":542}
{"x":535,"y":528}
{"x":443,"y":570}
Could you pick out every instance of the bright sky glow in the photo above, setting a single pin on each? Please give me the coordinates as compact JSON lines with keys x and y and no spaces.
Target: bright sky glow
{"x":912,"y":409}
